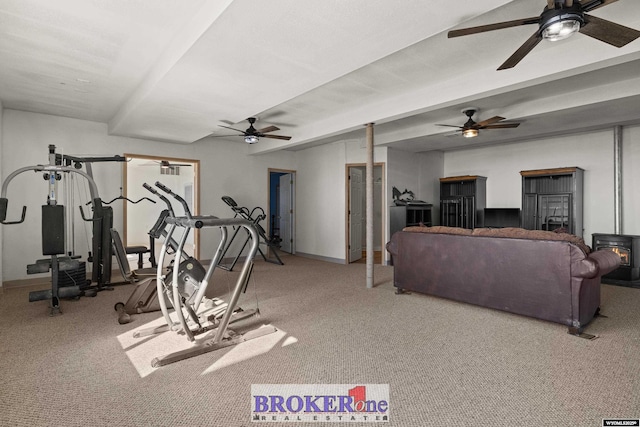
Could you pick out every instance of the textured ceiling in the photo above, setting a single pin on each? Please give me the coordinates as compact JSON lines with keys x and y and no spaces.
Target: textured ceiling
{"x":174,"y":71}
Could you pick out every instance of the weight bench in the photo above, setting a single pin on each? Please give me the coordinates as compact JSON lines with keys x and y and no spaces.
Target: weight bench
{"x":121,"y":256}
{"x":141,"y":250}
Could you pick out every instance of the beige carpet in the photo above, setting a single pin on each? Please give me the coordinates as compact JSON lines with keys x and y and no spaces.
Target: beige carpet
{"x":447,"y":363}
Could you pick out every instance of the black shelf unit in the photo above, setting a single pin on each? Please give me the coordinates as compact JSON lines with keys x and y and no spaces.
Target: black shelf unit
{"x":553,"y":199}
{"x":409,"y":215}
{"x":462,"y":201}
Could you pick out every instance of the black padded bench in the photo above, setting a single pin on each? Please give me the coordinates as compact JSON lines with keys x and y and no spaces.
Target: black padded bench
{"x":140,"y":250}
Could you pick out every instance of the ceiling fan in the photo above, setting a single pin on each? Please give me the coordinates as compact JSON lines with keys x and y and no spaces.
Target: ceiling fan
{"x":252,"y":135}
{"x":471,"y":128}
{"x":559,"y":20}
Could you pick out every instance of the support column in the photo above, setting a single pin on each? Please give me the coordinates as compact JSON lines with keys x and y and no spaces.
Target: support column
{"x":369,"y":195}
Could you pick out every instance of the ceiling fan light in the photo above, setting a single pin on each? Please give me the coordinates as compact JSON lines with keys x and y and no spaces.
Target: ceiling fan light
{"x":561,"y":30}
{"x":250,"y":139}
{"x":470,"y":133}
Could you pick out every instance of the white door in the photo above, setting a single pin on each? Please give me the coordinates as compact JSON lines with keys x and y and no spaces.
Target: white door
{"x":355,"y":213}
{"x":285,"y":207}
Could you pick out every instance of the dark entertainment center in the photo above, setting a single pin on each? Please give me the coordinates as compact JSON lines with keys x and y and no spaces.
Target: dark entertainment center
{"x":501,"y":217}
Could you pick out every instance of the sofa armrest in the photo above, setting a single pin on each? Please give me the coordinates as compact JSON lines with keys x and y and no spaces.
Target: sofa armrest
{"x":392,"y":247}
{"x":595,"y":264}
{"x":606,"y":260}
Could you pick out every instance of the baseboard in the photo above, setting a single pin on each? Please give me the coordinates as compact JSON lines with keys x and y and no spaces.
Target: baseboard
{"x":322,"y":258}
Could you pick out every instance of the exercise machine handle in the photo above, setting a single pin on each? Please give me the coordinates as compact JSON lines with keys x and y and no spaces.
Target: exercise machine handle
{"x":88,"y":219}
{"x":182,"y":201}
{"x":261,"y":215}
{"x":158,"y":227}
{"x":164,"y":199}
{"x":3,"y":212}
{"x":229,"y":201}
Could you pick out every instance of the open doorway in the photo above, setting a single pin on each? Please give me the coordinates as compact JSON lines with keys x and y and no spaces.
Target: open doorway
{"x":182,"y":176}
{"x":356,"y":212}
{"x":281,"y":211}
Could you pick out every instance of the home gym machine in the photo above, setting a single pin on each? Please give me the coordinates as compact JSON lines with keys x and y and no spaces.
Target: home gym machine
{"x":185,"y":289}
{"x":68,"y":273}
{"x":254,"y":216}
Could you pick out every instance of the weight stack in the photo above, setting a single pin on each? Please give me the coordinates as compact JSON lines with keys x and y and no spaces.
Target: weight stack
{"x":72,"y":275}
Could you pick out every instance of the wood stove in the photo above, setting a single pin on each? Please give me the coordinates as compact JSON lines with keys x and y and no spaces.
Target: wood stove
{"x":627,"y":247}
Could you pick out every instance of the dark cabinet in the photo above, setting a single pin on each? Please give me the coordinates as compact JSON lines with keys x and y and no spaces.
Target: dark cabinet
{"x":462,"y":201}
{"x":409,"y":215}
{"x":553,"y":199}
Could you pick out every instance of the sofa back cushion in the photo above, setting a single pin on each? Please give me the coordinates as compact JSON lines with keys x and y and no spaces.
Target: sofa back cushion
{"x":440,"y":229}
{"x":508,"y":232}
{"x":521,"y":233}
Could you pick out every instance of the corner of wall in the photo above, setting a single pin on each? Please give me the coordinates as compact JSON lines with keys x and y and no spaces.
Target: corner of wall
{"x":1,"y":175}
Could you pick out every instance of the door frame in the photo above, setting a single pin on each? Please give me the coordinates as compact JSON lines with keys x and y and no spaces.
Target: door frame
{"x":383,"y":220}
{"x":293,"y":204}
{"x":196,"y":191}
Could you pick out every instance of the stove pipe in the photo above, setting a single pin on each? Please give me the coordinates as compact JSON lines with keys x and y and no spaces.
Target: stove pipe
{"x":617,"y":178}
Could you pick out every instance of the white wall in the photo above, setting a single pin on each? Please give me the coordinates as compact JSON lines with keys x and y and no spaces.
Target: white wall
{"x":320,"y":192}
{"x":630,"y":180}
{"x":1,"y":174}
{"x":320,"y":203}
{"x":225,"y":170}
{"x":591,"y":151}
{"x":417,"y":172}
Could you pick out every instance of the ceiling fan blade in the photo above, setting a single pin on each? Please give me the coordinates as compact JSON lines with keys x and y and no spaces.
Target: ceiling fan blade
{"x":491,"y":27}
{"x":502,"y":126}
{"x":269,"y":129}
{"x":609,"y":32}
{"x":237,"y":130}
{"x":488,"y":122}
{"x":286,"y":138}
{"x":593,"y":5}
{"x":451,"y":126}
{"x":224,"y":136}
{"x":522,"y":51}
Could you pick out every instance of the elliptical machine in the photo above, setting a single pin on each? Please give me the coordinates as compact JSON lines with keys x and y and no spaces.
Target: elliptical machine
{"x":185,"y":291}
{"x":145,"y":298}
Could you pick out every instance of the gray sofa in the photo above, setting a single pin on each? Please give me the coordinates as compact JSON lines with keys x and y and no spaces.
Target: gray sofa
{"x":541,"y":274}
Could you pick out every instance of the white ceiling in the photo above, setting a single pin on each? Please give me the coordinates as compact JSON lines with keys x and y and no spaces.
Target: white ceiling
{"x":319,"y":70}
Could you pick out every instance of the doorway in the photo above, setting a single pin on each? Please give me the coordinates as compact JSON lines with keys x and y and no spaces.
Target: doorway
{"x":356,"y":212}
{"x":182,"y":176}
{"x":281,"y":212}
